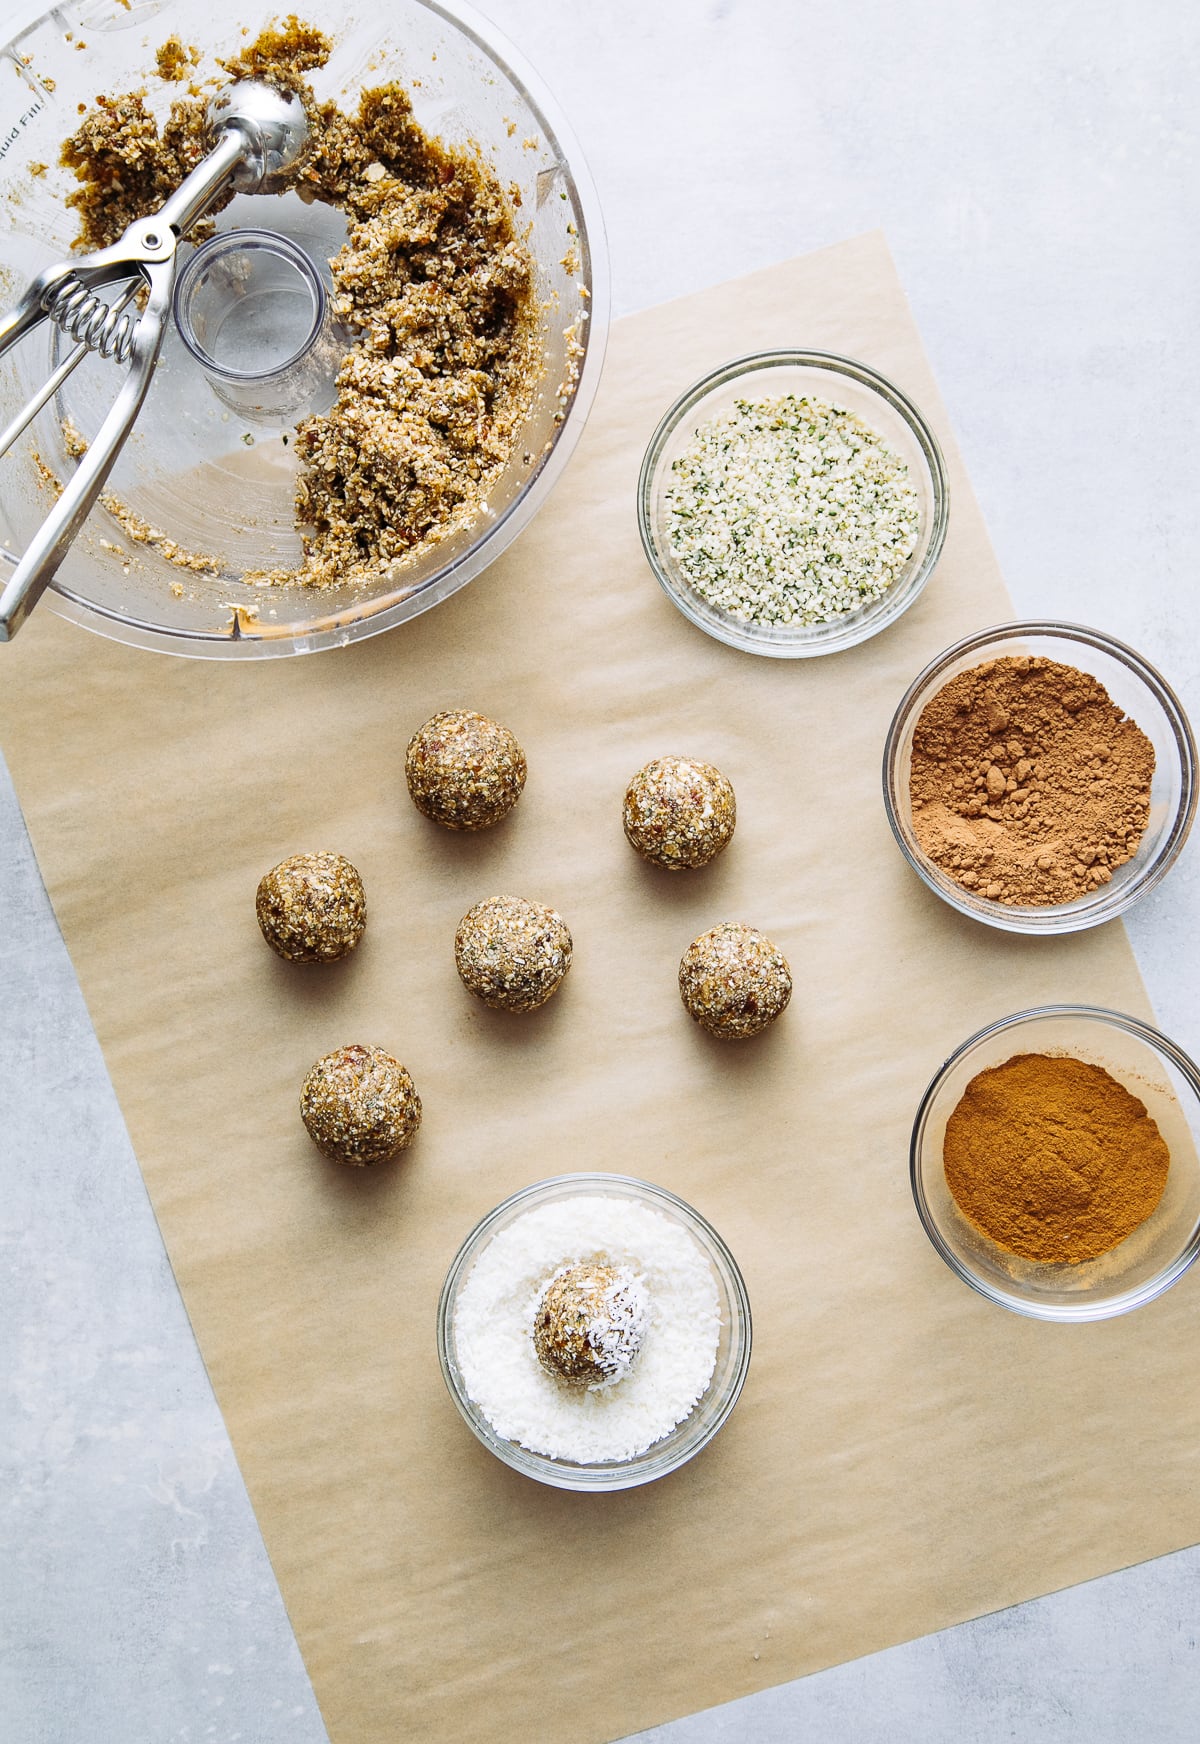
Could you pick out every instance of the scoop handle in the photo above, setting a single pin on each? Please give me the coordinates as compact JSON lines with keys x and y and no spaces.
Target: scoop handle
{"x":52,"y":540}
{"x":147,"y":249}
{"x":259,"y":131}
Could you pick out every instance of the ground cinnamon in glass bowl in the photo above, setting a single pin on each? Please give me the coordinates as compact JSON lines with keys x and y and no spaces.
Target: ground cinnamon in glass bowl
{"x":1055,"y":1163}
{"x":1040,"y":777}
{"x":1053,"y":1159}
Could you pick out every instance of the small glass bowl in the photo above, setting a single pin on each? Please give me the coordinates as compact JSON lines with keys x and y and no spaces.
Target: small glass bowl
{"x":1134,"y":686}
{"x":820,"y":375}
{"x":733,"y":1352}
{"x":1147,"y":1262}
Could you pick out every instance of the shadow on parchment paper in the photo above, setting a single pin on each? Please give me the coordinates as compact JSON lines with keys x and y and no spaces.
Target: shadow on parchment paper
{"x":704,"y":885}
{"x":744,"y":1061}
{"x":518,"y":1030}
{"x":481,"y":852}
{"x":583,"y":1520}
{"x":361,"y":1195}
{"x":319,"y":986}
{"x":1021,"y":948}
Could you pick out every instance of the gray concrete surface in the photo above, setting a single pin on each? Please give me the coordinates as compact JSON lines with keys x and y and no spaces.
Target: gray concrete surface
{"x":1035,"y":170}
{"x":1111,"y":1662}
{"x":136,"y":1598}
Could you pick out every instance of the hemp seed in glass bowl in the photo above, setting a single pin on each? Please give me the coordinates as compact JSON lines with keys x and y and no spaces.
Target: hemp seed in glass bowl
{"x":793,"y":503}
{"x":790,"y":509}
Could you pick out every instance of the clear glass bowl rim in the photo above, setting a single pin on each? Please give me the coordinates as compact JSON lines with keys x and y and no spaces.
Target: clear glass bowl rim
{"x":626,"y":1474}
{"x":865,"y":376}
{"x":1057,"y":920}
{"x":373,"y":616}
{"x":1063,"y":1313}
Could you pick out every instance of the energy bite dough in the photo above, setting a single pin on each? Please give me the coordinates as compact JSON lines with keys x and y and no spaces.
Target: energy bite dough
{"x":589,"y":1324}
{"x":734,"y":981}
{"x":512,"y":954}
{"x":360,"y":1106}
{"x":311,"y":908}
{"x":464,"y":770}
{"x":679,"y":812}
{"x":434,"y":282}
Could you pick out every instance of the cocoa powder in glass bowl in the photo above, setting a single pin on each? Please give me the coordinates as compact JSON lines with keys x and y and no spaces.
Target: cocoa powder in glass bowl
{"x":1028,"y":783}
{"x":1138,"y":693}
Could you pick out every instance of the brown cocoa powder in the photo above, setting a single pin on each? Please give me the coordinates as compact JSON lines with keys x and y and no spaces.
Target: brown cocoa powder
{"x":1029,"y":785}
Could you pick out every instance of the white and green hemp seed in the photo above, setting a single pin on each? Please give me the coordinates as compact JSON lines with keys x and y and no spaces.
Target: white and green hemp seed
{"x":790,"y":511}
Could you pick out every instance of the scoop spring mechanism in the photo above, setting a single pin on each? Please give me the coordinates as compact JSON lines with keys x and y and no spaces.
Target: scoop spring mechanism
{"x":92,"y":321}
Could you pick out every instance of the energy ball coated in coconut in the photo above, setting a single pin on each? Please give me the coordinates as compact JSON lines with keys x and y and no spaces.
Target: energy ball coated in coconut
{"x":360,"y":1106}
{"x":679,"y":812}
{"x":589,"y":1324}
{"x":512,"y":954}
{"x":311,"y":908}
{"x":734,"y":981}
{"x":464,"y":770}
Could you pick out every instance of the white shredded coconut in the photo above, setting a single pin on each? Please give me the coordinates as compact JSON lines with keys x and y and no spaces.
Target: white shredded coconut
{"x":493,"y":1329}
{"x":790,"y":510}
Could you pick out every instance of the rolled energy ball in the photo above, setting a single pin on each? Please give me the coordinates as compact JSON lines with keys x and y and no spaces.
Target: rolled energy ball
{"x":679,"y":812}
{"x":360,"y":1106}
{"x":512,"y":954}
{"x":464,"y":770}
{"x":589,"y":1324}
{"x":734,"y":981}
{"x":311,"y":908}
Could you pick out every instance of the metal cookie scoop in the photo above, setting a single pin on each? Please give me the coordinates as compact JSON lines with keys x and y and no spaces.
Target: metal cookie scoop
{"x":259,"y":131}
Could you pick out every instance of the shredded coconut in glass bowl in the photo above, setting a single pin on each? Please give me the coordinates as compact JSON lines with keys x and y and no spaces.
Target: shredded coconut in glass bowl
{"x":494,"y":1318}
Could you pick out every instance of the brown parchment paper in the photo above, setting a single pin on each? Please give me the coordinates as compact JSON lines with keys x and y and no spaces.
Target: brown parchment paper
{"x":904,"y":1455}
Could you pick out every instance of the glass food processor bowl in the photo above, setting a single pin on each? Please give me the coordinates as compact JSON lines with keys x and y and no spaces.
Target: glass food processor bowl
{"x":197,"y":474}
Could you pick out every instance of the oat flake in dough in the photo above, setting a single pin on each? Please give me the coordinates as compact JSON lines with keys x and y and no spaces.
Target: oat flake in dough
{"x":493,"y":1324}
